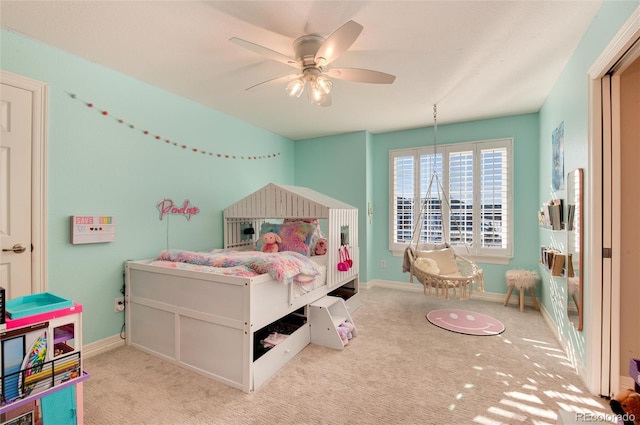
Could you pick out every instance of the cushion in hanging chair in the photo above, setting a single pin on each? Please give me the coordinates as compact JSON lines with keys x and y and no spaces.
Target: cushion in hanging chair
{"x":427,"y":265}
{"x":445,"y":260}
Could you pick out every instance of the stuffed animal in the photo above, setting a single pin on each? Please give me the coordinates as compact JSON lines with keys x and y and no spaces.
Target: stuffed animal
{"x":627,"y":404}
{"x":344,"y":334}
{"x":271,"y":241}
{"x":321,"y":247}
{"x":349,"y":327}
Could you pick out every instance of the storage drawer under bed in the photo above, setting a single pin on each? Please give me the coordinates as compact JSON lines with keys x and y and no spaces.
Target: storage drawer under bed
{"x":268,"y":361}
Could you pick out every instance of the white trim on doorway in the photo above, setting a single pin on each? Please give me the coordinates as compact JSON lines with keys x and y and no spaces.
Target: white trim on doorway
{"x":602,"y":354}
{"x":40,"y":97}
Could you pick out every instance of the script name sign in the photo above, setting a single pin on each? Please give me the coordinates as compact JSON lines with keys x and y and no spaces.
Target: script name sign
{"x":166,"y":206}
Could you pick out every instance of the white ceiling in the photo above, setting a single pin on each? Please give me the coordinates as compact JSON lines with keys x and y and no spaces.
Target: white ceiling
{"x":474,"y":59}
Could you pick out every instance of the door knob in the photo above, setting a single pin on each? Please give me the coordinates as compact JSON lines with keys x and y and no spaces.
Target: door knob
{"x":17,"y":248}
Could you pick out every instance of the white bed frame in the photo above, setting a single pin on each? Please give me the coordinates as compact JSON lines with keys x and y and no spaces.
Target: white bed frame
{"x":208,"y":323}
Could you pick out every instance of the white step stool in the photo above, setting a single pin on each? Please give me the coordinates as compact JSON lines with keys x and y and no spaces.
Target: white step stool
{"x":325,"y":316}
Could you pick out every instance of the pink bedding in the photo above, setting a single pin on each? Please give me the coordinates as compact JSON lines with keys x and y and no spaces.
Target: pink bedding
{"x":284,"y":267}
{"x":240,"y":271}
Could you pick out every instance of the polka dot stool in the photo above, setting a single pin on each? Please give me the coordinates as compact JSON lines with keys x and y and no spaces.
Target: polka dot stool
{"x":522,"y":280}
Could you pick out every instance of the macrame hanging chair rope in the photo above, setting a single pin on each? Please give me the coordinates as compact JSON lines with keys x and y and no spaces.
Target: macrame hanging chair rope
{"x":442,"y":195}
{"x":460,"y":285}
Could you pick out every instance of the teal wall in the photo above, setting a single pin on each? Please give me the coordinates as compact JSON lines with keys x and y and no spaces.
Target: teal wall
{"x":97,"y":166}
{"x":337,"y":166}
{"x":568,"y":104}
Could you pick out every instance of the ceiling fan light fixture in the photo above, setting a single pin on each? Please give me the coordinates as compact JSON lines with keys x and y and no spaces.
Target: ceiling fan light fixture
{"x":323,"y":84}
{"x":315,"y":94}
{"x":312,"y":53}
{"x":318,"y":97}
{"x":295,"y":87}
{"x":321,"y":100}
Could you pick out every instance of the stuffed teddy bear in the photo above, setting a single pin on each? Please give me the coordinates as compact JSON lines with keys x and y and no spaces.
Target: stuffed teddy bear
{"x":627,"y":404}
{"x":271,"y":241}
{"x":321,"y":247}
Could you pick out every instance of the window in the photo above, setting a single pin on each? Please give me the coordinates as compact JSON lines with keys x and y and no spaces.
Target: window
{"x":461,"y":194}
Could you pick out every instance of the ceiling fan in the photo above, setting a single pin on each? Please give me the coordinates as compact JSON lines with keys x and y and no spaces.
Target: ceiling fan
{"x":312,"y":54}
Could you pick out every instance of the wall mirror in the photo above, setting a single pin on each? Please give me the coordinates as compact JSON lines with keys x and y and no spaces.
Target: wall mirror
{"x":575,"y":263}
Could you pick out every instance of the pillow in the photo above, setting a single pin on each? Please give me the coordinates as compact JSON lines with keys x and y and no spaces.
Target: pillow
{"x":296,"y":236}
{"x":445,"y":260}
{"x":317,"y":234}
{"x":427,"y":265}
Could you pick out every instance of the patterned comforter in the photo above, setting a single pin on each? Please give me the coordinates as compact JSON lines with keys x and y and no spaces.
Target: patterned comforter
{"x":285,"y":267}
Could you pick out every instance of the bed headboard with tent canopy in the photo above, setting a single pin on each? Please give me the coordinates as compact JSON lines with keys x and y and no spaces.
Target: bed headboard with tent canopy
{"x":243,"y":220}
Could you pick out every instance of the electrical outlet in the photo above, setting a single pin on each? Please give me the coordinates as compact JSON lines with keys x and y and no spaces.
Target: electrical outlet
{"x":118,"y":304}
{"x":383,"y":264}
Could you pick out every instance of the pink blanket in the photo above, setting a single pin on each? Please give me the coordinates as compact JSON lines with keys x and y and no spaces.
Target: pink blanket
{"x":282,"y":266}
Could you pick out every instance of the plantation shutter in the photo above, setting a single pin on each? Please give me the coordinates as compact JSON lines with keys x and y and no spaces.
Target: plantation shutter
{"x":494,"y":206}
{"x":403,"y":176}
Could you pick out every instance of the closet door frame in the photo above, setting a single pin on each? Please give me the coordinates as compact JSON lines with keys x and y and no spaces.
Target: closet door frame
{"x":603,"y":297}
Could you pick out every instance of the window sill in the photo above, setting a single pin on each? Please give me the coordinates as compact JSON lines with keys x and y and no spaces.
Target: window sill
{"x":485,"y":259}
{"x":488,"y":259}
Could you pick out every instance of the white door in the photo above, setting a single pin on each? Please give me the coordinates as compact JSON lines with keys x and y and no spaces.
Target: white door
{"x":608,"y":345}
{"x":622,"y":225}
{"x":15,"y":190}
{"x":606,"y":236}
{"x":619,"y":227}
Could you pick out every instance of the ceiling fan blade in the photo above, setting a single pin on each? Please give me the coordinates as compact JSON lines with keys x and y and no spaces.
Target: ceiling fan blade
{"x":265,"y":51}
{"x":274,"y":81}
{"x":338,"y":42}
{"x":361,"y":75}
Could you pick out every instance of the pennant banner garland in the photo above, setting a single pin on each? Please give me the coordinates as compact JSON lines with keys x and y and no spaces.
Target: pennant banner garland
{"x":105,"y":113}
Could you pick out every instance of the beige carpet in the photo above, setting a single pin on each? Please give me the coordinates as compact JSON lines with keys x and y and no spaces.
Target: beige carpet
{"x":400,"y":369}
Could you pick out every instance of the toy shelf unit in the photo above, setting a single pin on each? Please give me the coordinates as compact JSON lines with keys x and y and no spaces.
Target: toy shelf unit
{"x":40,"y":344}
{"x":326,"y":316}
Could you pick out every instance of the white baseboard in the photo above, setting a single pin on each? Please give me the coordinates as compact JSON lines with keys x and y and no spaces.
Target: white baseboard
{"x":417,"y":287}
{"x":98,"y":347}
{"x":572,"y":357}
{"x":392,"y":284}
{"x":626,"y":382}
